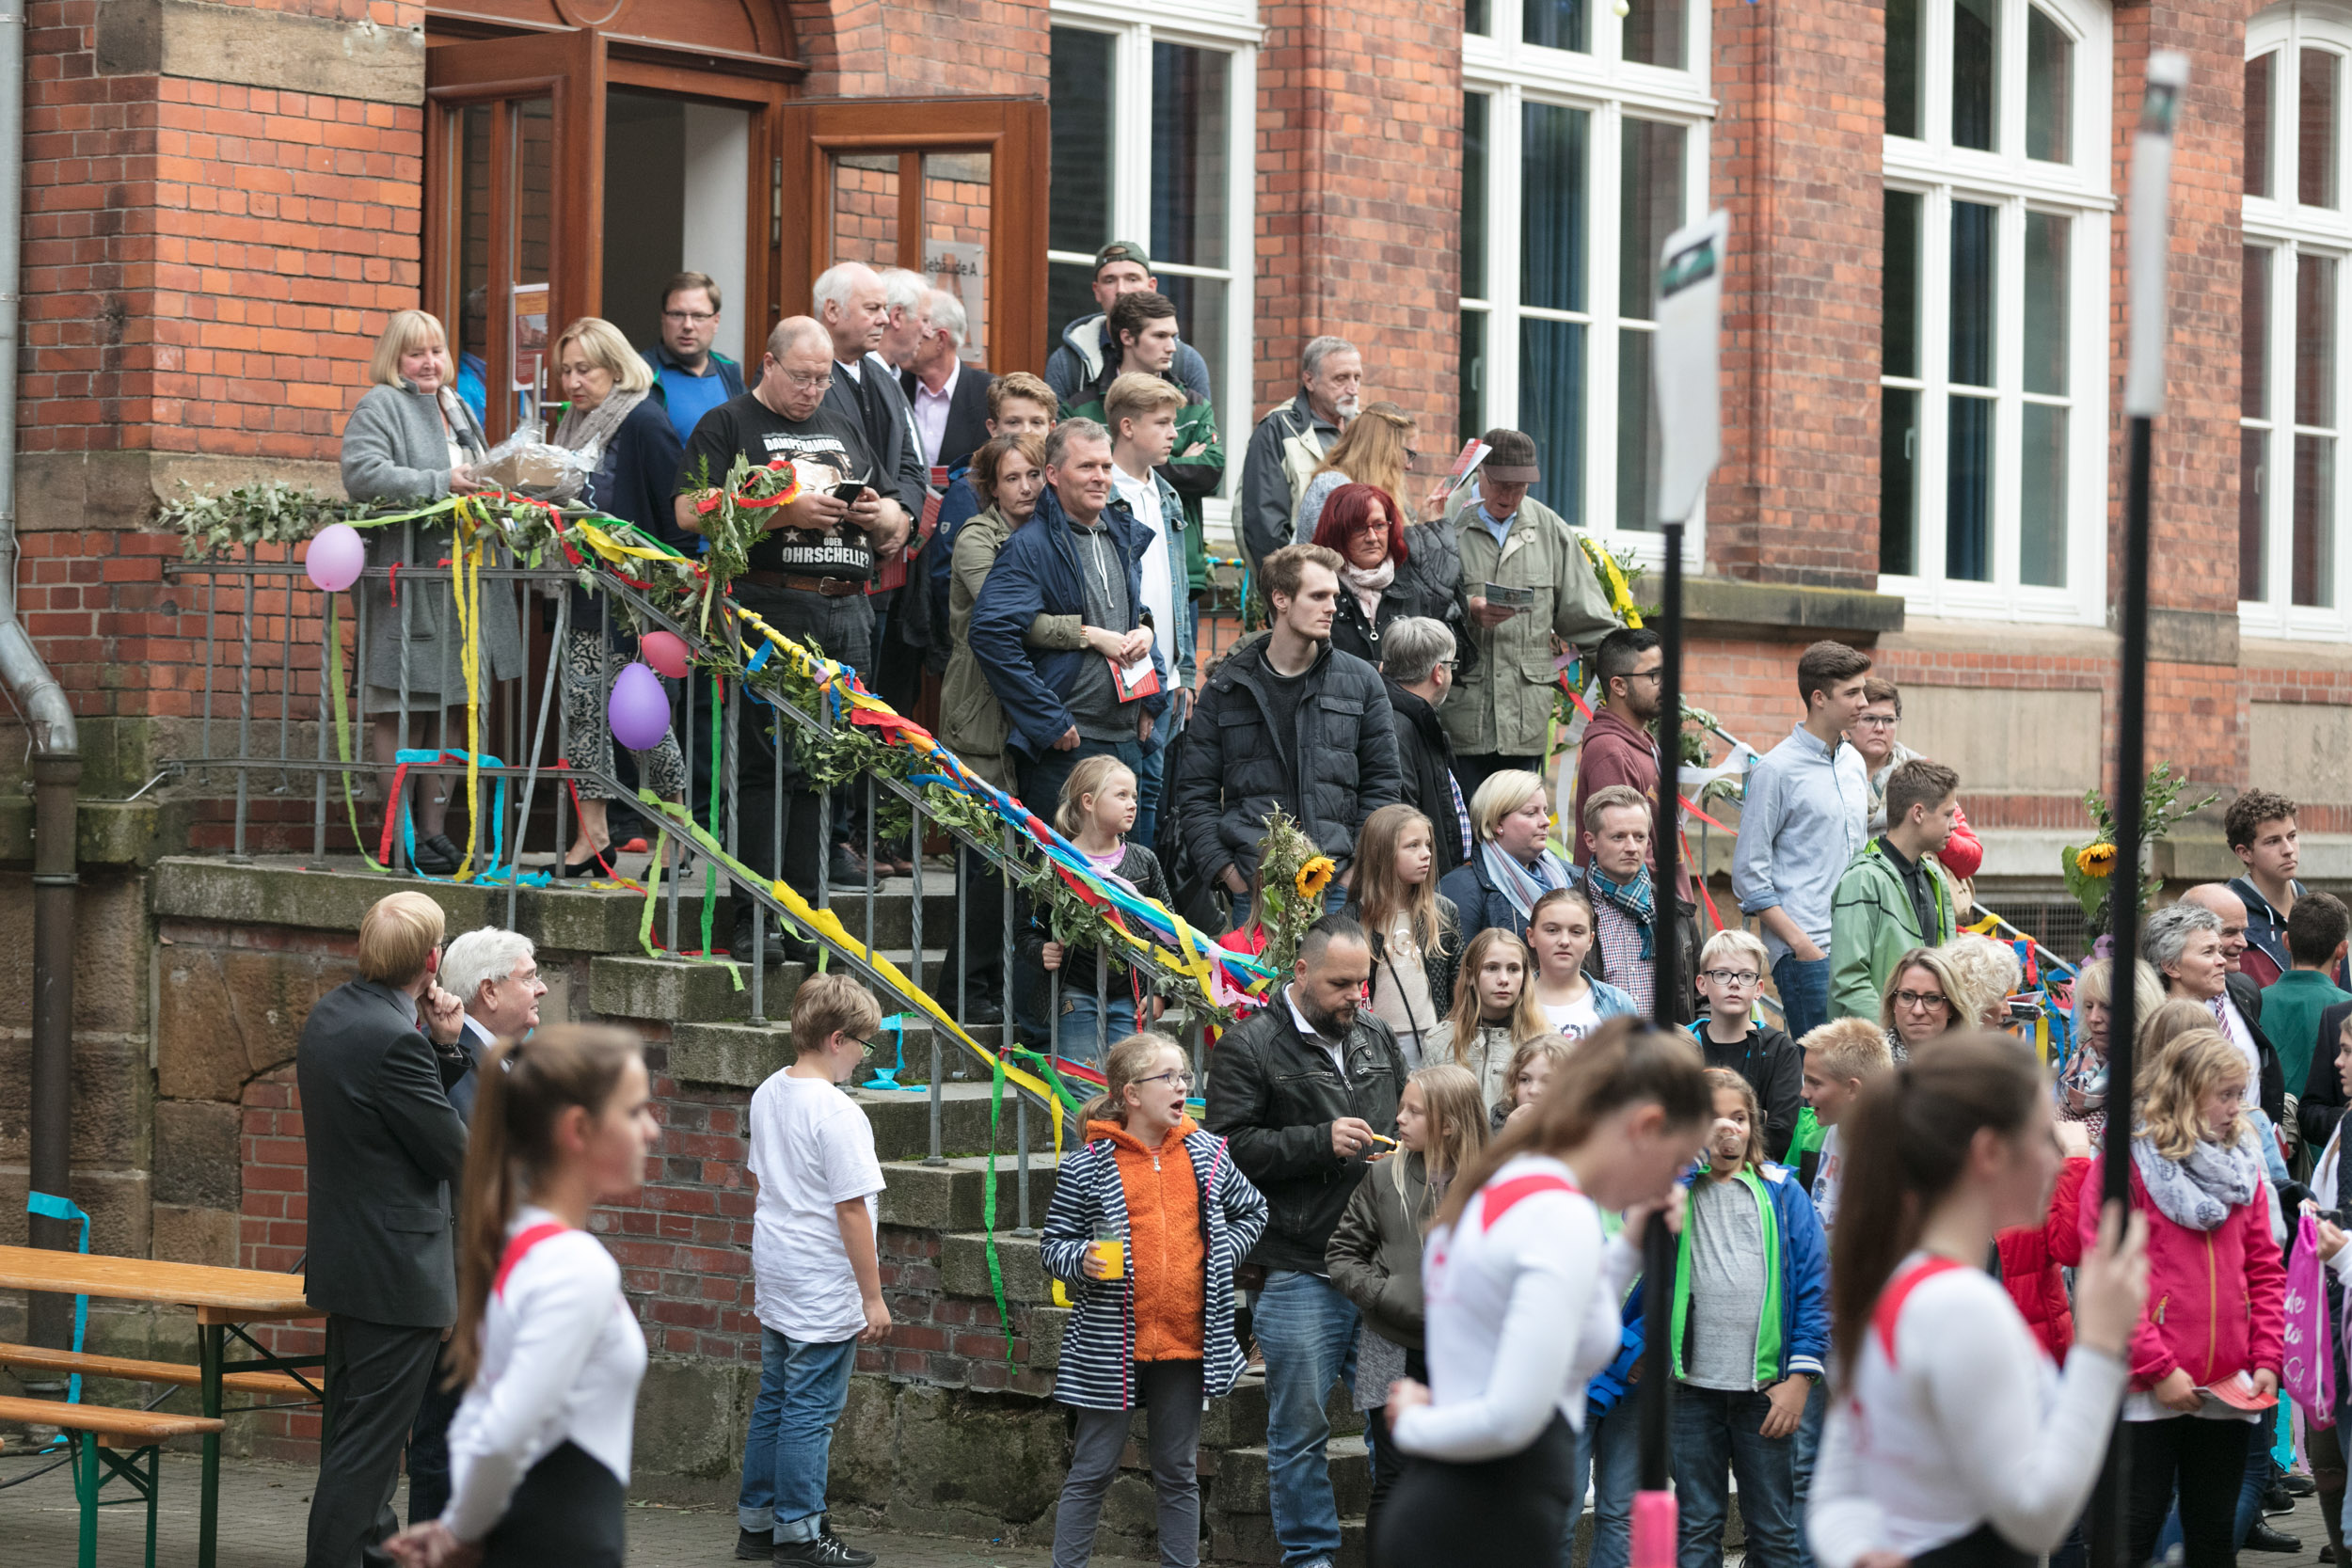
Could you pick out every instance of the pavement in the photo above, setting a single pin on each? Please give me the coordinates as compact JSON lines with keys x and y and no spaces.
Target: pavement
{"x":264,"y":1507}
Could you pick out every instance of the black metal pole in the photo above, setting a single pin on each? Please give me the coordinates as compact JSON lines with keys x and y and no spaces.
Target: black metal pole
{"x":1667,"y":983}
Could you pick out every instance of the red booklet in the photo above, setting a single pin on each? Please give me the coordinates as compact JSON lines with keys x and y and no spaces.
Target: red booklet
{"x":2238,"y":1394}
{"x":1134,"y":680}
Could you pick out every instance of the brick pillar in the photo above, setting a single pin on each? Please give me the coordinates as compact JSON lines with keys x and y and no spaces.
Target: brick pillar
{"x":1796,"y":163}
{"x":1359,"y":197}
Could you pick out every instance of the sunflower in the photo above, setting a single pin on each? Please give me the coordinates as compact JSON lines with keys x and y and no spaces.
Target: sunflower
{"x":2098,"y":860}
{"x":1314,"y":877}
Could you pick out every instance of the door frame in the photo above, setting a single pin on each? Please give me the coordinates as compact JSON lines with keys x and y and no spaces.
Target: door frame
{"x":1015,"y":134}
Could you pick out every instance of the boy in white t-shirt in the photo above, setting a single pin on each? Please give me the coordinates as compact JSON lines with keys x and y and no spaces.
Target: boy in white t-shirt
{"x":817,"y":1267}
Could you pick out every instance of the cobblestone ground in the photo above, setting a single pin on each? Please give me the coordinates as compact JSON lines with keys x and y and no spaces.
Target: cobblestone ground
{"x":262,"y":1508}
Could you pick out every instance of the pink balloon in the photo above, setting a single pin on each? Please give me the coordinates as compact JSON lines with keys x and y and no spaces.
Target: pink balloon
{"x":640,"y":708}
{"x":336,"y":558}
{"x":666,"y":651}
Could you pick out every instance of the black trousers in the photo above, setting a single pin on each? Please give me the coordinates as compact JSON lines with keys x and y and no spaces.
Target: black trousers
{"x":975,"y":946}
{"x":1982,"y":1548}
{"x":566,"y":1514}
{"x":843,"y":630}
{"x":428,"y":1449}
{"x":1471,"y":772}
{"x":2201,"y":1462}
{"x":376,"y":1375}
{"x":1516,"y":1508}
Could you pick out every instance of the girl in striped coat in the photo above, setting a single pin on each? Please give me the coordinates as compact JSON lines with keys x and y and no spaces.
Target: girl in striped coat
{"x":1149,"y":1220}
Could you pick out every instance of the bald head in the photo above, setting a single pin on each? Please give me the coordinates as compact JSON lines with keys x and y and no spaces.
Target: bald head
{"x":2229,"y":910}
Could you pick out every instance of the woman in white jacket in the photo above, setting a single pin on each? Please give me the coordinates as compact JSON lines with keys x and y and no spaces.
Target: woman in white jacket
{"x":546,"y":1342}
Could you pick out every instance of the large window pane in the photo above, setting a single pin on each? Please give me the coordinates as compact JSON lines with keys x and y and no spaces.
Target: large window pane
{"x":1899,"y":481}
{"x":1654,"y":32}
{"x":2315,"y":341}
{"x":1069,"y":295}
{"x":1652,"y":194}
{"x":2042,"y":498}
{"x":2049,"y":88}
{"x":2315,"y":144}
{"x":1551,"y":409}
{"x":1552,"y":177}
{"x":2253,"y":355}
{"x":1190,"y":137}
{"x":2258,"y":111}
{"x":2254,"y":532}
{"x":2313,"y":562}
{"x":1898,"y":321}
{"x":1975,"y":73}
{"x":1475,"y":107}
{"x":2047,"y":238}
{"x":1473,"y":413}
{"x":1902,"y":67}
{"x":1200,"y":316}
{"x":1968,"y":492}
{"x":1637,"y":433}
{"x":1557,"y":25}
{"x":1973,"y":263}
{"x":1080,"y":201}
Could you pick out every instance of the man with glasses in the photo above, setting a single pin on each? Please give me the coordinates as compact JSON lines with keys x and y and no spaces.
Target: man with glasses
{"x":1417,"y":665}
{"x":1619,"y":747}
{"x":690,"y":377}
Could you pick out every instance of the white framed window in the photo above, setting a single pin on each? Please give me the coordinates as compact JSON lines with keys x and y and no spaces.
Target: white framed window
{"x":2292,"y":572}
{"x":1154,"y":132}
{"x":1585,"y":145}
{"x":1993,"y":394}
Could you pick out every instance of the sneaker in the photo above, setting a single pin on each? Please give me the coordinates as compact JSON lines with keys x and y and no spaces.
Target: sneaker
{"x":754,"y":1546}
{"x":854,"y":1557}
{"x":824,"y":1551}
{"x":846,"y":868}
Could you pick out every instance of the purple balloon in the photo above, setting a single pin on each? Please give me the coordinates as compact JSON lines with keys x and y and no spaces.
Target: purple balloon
{"x":640,"y":708}
{"x":334,"y":557}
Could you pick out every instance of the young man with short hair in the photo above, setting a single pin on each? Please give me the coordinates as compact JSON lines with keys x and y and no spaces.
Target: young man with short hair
{"x":2260,"y":827}
{"x":1142,"y":412}
{"x":1891,"y":899}
{"x":1802,"y":824}
{"x":1120,"y":268}
{"x":1619,"y":747}
{"x":1019,"y":403}
{"x":1730,"y":978}
{"x":816,"y":1266}
{"x":2292,"y":1003}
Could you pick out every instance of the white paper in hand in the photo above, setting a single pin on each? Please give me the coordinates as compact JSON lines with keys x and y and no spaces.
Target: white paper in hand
{"x":1688,"y":349}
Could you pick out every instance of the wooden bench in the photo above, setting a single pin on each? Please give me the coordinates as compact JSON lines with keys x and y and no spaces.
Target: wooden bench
{"x":100,"y":1430}
{"x":180,"y":1374}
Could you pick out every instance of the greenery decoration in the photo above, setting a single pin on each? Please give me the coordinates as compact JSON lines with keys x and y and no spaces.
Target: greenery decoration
{"x":2090,"y":868}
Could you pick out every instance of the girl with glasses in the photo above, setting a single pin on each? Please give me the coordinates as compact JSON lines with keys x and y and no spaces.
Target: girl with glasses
{"x":1148,"y":1222}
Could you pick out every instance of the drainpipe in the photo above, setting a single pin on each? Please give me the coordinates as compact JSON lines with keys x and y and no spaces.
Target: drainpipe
{"x":56,"y":749}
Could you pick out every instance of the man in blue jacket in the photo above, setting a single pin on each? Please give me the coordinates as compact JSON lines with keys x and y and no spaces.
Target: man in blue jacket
{"x":690,"y":377}
{"x":1079,"y":554}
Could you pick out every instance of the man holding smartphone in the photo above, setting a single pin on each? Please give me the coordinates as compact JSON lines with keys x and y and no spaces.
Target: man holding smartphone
{"x":806,"y":577}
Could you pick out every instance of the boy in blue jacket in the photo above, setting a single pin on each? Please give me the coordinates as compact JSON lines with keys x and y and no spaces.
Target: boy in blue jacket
{"x":1750,"y":1326}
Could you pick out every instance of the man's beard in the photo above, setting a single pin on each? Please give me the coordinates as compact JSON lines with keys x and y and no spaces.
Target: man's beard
{"x":1349,"y":407}
{"x":1333,"y":1024}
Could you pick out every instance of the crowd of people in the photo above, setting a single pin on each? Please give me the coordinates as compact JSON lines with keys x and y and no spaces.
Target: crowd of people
{"x":1422,"y":1168}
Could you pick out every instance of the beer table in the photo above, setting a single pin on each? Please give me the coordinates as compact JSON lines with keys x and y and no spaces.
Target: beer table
{"x":225,"y":1301}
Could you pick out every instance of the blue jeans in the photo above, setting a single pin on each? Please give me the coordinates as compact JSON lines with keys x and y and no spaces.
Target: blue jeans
{"x":1080,"y":1038}
{"x":803,"y":1385}
{"x":1609,"y":1450}
{"x":1808,"y":1446}
{"x":1718,"y":1433}
{"x":1804,"y":989}
{"x":1307,"y":1331}
{"x":1149,"y":785}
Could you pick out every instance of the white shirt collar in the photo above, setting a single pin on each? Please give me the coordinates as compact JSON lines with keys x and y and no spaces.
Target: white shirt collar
{"x":855,"y":367}
{"x":475,"y":1028}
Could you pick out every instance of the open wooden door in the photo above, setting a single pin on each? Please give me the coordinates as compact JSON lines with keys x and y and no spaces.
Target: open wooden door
{"x":515,"y":239}
{"x":953,"y":189}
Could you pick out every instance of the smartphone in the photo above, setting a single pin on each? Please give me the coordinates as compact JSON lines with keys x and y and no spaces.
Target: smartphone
{"x":850,"y":491}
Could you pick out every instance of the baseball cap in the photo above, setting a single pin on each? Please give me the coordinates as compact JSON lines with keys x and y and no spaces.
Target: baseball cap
{"x":1122,"y":250}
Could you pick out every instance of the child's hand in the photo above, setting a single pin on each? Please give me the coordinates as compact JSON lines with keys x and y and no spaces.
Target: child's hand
{"x":1094,"y":1268}
{"x":2332,"y":1239}
{"x":1053,"y":955}
{"x":2178,"y":1391}
{"x":1786,"y":1401}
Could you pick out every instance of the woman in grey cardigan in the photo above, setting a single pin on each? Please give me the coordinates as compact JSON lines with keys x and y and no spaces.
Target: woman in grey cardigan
{"x":411,"y":441}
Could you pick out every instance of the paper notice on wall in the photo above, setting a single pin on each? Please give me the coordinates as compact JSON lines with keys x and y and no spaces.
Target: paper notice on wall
{"x":529,"y":316}
{"x":1688,"y":346}
{"x":959,"y":267}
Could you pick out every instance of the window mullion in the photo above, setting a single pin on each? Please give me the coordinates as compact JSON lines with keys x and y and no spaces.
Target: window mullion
{"x":1132,"y":149}
{"x":1935,"y":355}
{"x":1604,"y":224}
{"x":1504,"y":131}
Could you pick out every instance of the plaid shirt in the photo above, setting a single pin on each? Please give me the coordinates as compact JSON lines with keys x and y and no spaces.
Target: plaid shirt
{"x":1621,"y":961}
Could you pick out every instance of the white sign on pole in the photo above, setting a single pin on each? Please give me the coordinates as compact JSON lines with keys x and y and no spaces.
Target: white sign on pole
{"x":1687,"y":358}
{"x":2149,"y":232}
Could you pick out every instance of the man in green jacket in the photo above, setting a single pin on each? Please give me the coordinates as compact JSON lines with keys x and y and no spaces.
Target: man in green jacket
{"x":1500,"y":715}
{"x":2292,"y":1003}
{"x":1890,"y":900}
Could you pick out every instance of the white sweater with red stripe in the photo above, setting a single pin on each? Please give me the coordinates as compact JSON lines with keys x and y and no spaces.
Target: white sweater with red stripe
{"x":1522,"y":1299}
{"x":561,"y":1356}
{"x":1956,"y":1420}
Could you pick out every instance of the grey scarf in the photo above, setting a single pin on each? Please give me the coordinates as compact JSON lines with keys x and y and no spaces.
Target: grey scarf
{"x":2197,"y":1193}
{"x":591,"y":430}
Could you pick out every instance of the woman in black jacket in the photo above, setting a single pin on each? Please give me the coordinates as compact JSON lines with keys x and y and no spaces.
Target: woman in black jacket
{"x":1392,"y":571}
{"x":1418,"y":668}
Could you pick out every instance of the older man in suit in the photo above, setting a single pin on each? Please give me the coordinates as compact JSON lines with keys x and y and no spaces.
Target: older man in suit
{"x":950,"y":397}
{"x":384,"y":1146}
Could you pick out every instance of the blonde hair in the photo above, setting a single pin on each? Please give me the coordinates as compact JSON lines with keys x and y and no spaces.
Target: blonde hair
{"x":1374,"y":448}
{"x":2095,"y":983}
{"x":828,"y":1004}
{"x":1092,"y":776}
{"x":1734,"y":943}
{"x":1552,"y":1048}
{"x":1615,"y":797}
{"x":2168,"y":1023}
{"x":397,"y":936}
{"x":1501,"y":794}
{"x":1137,"y":396}
{"x":1724,"y":1078}
{"x":602,"y":342}
{"x":1987,"y":970}
{"x":1379,"y":894}
{"x":407,"y":330}
{"x":1457,"y":1115}
{"x":2181,"y":1076}
{"x":1936,"y":962}
{"x":1526,"y":1022}
{"x":1128,"y":1062}
{"x":1849,"y":1048}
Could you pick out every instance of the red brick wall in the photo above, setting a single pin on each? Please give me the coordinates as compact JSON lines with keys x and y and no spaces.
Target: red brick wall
{"x":872,"y":48}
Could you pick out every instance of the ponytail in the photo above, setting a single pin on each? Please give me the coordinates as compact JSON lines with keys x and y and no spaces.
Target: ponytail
{"x":1129,"y":1060}
{"x":1905,"y":1143}
{"x":521,"y":1087}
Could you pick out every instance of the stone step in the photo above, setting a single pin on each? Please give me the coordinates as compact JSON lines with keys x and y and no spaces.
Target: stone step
{"x":950,"y":1197}
{"x":902,"y":1119}
{"x":745,"y":1056}
{"x":1248,"y":1538}
{"x":1241,"y":1477}
{"x":688,"y":991}
{"x":1239,"y":1420}
{"x":963,"y":1262}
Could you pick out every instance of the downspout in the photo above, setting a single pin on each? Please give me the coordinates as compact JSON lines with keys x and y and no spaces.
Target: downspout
{"x":57,"y":747}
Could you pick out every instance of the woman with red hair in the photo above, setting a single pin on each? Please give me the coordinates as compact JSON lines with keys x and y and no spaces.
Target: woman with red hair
{"x":1391,"y":570}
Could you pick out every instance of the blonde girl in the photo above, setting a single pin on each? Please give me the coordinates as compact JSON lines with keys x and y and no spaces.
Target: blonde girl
{"x":1157,"y":1327}
{"x":1374,"y":1254}
{"x":1098,"y":996}
{"x":1416,"y":935}
{"x":1560,"y":935}
{"x":1494,"y":1012}
{"x":1533,"y":1066}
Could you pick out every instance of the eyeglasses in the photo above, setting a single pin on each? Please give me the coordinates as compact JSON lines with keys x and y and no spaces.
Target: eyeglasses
{"x":870,"y":1045}
{"x":1921,"y":1001}
{"x":1448,"y":663}
{"x":1182,"y":1080}
{"x":1651,"y":675}
{"x":1733,"y":976}
{"x":1877,"y":722}
{"x":809,"y":381}
{"x":689,"y":318}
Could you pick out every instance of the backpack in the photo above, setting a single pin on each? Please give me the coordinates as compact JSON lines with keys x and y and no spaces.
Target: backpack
{"x":1190,"y":892}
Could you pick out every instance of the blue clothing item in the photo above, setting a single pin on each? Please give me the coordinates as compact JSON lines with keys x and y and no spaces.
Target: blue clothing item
{"x":1803,"y":1333}
{"x":957,"y":507}
{"x":1036,"y":574}
{"x":471,"y":390}
{"x":1808,"y":1450}
{"x":1307,"y":1331}
{"x":671,"y":380}
{"x":1803,"y":986}
{"x":802,"y":1387}
{"x":1719,"y":1432}
{"x":1089,"y":1027}
{"x":1151,"y":787}
{"x":1499,"y":527}
{"x":1609,"y":1450}
{"x":1805,"y":817}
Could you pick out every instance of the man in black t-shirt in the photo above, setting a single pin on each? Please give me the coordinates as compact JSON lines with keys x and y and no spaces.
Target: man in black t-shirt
{"x":806,"y":577}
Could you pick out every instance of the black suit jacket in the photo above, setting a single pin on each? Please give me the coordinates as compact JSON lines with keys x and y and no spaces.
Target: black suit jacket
{"x":899,"y":469}
{"x":2322,"y":1105}
{"x":967,"y":412}
{"x":384,"y":1146}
